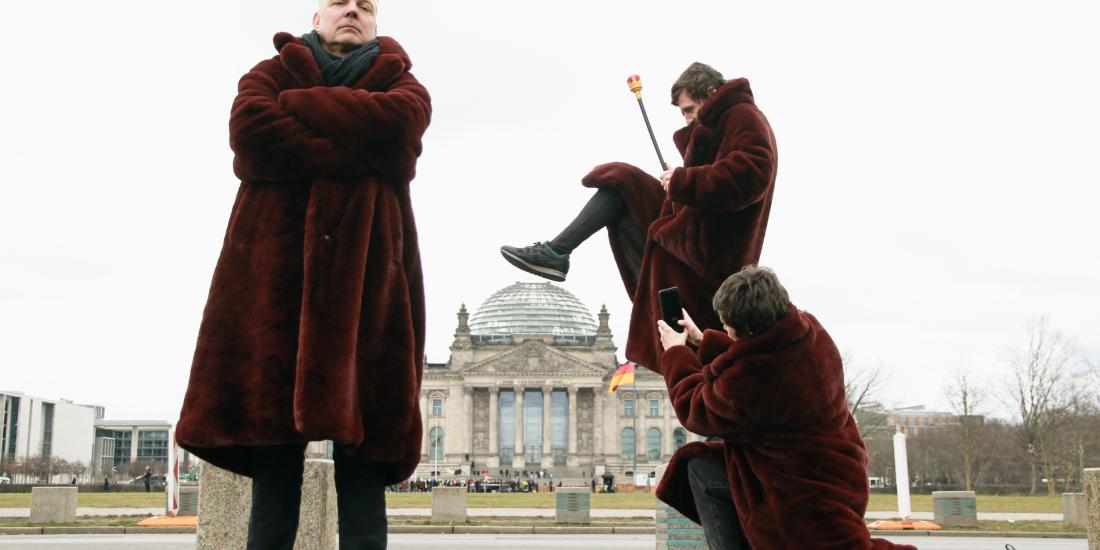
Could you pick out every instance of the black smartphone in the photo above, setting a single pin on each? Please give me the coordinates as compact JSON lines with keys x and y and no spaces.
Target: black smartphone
{"x":671,"y":308}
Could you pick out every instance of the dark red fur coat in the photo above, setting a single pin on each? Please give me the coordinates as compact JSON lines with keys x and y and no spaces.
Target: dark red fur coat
{"x":708,"y":226}
{"x":314,"y":326}
{"x":796,"y":463}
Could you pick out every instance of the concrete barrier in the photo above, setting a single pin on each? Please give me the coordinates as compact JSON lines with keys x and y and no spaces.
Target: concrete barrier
{"x":53,"y":504}
{"x":573,"y":505}
{"x":1074,"y":509}
{"x":225,"y":501}
{"x":448,"y":505}
{"x":955,"y":508}
{"x":1092,"y":503}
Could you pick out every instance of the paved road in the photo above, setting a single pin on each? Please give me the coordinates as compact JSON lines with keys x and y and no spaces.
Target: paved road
{"x":496,"y":542}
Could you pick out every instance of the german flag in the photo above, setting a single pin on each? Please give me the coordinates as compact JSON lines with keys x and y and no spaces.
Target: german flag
{"x":624,"y":375}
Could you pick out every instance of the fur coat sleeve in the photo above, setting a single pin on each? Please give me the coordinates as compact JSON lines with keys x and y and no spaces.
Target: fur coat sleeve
{"x":741,"y":173}
{"x":286,"y":125}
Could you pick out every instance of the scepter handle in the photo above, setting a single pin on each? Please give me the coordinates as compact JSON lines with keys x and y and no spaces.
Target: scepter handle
{"x":635,"y":83}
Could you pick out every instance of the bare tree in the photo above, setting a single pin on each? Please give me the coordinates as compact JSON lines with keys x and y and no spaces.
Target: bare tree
{"x":1039,"y":391}
{"x":966,"y":395}
{"x":861,"y":386}
{"x":78,"y":469}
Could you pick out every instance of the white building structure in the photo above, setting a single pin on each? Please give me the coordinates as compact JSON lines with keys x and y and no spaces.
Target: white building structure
{"x":35,"y":427}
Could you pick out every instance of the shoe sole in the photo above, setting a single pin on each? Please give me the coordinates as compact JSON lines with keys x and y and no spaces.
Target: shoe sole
{"x":545,"y":272}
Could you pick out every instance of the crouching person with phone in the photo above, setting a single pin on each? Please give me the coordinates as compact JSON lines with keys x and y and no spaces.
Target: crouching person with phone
{"x":788,"y":468}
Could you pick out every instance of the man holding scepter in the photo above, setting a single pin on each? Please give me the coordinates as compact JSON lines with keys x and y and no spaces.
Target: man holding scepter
{"x":692,"y":227}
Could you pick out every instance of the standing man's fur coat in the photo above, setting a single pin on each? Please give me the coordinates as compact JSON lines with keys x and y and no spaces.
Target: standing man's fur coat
{"x":314,"y":326}
{"x":797,"y":466}
{"x":709,"y":225}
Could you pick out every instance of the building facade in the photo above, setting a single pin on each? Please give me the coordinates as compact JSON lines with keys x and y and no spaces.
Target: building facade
{"x":526,"y":389}
{"x":120,"y":442}
{"x":32,"y":427}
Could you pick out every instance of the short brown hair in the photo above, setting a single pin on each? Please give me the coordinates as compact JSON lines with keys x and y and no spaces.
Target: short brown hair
{"x":697,"y":80}
{"x":751,"y":300}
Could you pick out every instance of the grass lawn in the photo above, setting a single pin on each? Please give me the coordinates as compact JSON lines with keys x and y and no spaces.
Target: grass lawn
{"x":92,"y":500}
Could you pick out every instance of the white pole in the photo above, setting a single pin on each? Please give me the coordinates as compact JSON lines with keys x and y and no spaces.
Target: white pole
{"x":901,"y":465}
{"x":172,"y":476}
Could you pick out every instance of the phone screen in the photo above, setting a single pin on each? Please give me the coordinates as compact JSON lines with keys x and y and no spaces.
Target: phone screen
{"x":672,"y":310}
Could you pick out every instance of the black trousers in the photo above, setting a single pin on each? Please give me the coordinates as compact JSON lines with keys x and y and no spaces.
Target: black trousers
{"x":606,"y":207}
{"x":277,"y":496}
{"x":711,"y":490}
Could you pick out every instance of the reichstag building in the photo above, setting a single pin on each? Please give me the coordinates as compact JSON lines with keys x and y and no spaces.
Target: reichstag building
{"x":526,"y":389}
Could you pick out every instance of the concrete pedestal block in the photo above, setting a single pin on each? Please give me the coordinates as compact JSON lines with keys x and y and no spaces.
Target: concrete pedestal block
{"x":955,"y":508}
{"x":673,"y":530}
{"x":448,"y":505}
{"x":1074,"y":509}
{"x":317,"y":524}
{"x":574,"y":505}
{"x":225,"y":502}
{"x":53,"y":504}
{"x":1092,"y":503}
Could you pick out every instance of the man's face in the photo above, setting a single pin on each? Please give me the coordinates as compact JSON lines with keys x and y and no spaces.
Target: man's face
{"x":689,"y":106}
{"x":345,"y":24}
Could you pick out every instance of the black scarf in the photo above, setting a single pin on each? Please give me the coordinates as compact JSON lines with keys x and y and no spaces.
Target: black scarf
{"x":345,"y":70}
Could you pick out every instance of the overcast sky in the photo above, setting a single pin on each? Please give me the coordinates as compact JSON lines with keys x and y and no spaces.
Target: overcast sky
{"x":937,"y":184}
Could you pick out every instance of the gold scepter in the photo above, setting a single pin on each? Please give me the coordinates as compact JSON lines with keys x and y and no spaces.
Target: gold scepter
{"x":635,"y":83}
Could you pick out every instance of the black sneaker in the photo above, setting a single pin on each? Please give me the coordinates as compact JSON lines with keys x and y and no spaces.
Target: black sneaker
{"x":538,"y":259}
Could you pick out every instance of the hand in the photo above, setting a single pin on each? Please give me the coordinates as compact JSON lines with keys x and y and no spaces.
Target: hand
{"x":670,"y":337}
{"x":666,"y":178}
{"x":691,"y":331}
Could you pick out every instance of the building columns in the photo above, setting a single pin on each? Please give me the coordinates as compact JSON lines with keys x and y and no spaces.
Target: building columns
{"x":494,"y":417}
{"x":468,"y":415}
{"x":571,"y":455}
{"x":666,"y":437}
{"x":424,"y":412}
{"x":547,"y":455}
{"x":518,"y":458}
{"x":597,"y":424}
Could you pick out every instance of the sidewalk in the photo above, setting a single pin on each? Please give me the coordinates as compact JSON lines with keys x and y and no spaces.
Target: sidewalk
{"x":532,"y":513}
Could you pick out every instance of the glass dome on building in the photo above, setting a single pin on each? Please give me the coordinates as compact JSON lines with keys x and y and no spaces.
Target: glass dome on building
{"x":533,"y":309}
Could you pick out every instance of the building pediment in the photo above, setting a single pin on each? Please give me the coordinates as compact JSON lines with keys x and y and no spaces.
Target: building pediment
{"x":533,"y":358}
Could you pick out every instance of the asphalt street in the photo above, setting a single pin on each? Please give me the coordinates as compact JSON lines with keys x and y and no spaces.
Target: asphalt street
{"x":498,"y":542}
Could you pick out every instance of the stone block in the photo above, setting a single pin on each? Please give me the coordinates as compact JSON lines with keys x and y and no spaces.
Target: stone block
{"x":955,"y":508}
{"x":448,"y":505}
{"x":573,"y":505}
{"x":1074,"y":509}
{"x":317,"y":523}
{"x":53,"y":504}
{"x":225,"y":500}
{"x":673,"y":530}
{"x":1092,"y":502}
